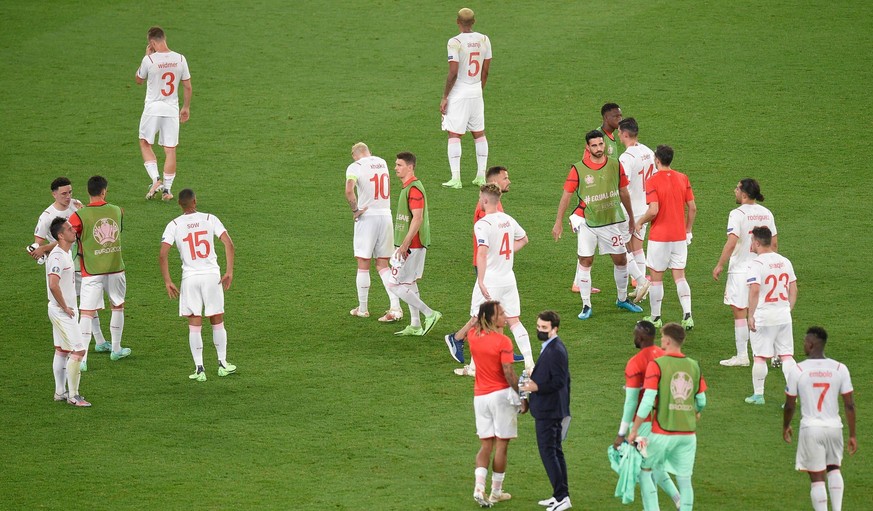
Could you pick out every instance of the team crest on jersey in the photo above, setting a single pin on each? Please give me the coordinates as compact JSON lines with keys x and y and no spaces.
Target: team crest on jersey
{"x":589,"y":179}
{"x":610,"y":150}
{"x":55,"y":270}
{"x":105,"y":231}
{"x":681,"y":386}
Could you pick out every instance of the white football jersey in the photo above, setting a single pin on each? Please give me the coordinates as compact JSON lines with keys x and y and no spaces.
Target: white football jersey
{"x":373,"y":184}
{"x":163,"y":73}
{"x":60,"y":263}
{"x":193,"y":235}
{"x":498,"y":231}
{"x":741,"y":221}
{"x":773,"y":273}
{"x":469,"y":50}
{"x":639,"y":165}
{"x":819,"y":382}
{"x":44,"y":223}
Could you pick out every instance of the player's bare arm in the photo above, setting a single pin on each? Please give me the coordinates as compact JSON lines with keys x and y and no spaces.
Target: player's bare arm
{"x":624,"y":195}
{"x":187,"y":92}
{"x":792,"y":294}
{"x":690,"y":215}
{"x":451,"y":78}
{"x":353,"y":200}
{"x":55,"y":288}
{"x":849,"y":405}
{"x":486,"y":65}
{"x":754,"y":292}
{"x":511,"y":378}
{"x":42,"y":249}
{"x":558,"y":229}
{"x":519,"y":244}
{"x":414,"y":226}
{"x":481,"y":268}
{"x":172,"y":290}
{"x":726,"y":252}
{"x":229,"y":253}
{"x":649,"y":215}
{"x":787,"y":415}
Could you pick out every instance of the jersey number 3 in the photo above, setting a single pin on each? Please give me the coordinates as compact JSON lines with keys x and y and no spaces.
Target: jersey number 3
{"x":195,"y":241}
{"x":169,"y":87}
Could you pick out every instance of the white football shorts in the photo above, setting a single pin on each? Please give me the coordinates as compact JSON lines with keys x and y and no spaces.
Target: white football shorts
{"x":412,"y":269}
{"x":495,"y":415}
{"x":65,"y":330}
{"x":818,"y":447}
{"x":608,"y":239}
{"x":506,"y":295}
{"x":663,"y":255}
{"x":374,"y":236}
{"x":736,"y":291}
{"x":201,"y":295}
{"x":625,"y":229}
{"x":93,"y":287}
{"x":168,"y":127}
{"x":463,"y":114}
{"x":772,"y":340}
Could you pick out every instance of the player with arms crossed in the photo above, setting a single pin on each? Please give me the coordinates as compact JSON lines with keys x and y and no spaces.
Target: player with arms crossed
{"x":203,"y":286}
{"x":772,"y":295}
{"x":462,"y":105}
{"x":164,"y":71}
{"x":374,"y":237}
{"x":495,"y":392}
{"x":600,"y":184}
{"x":63,"y":313}
{"x":43,"y":242}
{"x":738,"y":248}
{"x":818,"y":381}
{"x":99,"y":226}
{"x":671,"y":211}
{"x":639,"y":165}
{"x":675,"y":395}
{"x":635,"y":375}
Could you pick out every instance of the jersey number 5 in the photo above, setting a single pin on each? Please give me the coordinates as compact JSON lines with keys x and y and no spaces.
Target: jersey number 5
{"x":773,"y":281}
{"x":475,"y":66}
{"x":381,"y":186}
{"x":824,"y":390}
{"x":196,"y":240}
{"x":169,"y":87}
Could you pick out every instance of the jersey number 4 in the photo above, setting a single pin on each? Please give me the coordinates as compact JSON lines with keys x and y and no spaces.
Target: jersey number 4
{"x":381,"y":186}
{"x":505,"y":247}
{"x":169,"y":87}
{"x":195,"y":241}
{"x":773,"y":281}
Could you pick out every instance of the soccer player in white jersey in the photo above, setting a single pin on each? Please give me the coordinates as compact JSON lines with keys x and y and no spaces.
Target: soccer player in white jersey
{"x":64,"y":315}
{"x":738,"y":251}
{"x":203,"y":285}
{"x":817,"y":381}
{"x":639,"y":165}
{"x":462,"y":106}
{"x":368,"y":192}
{"x":164,"y":71}
{"x":64,"y":206}
{"x":772,"y":295}
{"x":498,"y":238}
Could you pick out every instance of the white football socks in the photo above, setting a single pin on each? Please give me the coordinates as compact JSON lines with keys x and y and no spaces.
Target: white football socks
{"x":385,"y":275}
{"x":74,"y":365}
{"x":59,"y":366}
{"x":819,"y":496}
{"x":656,"y":297}
{"x":497,"y":482}
{"x":759,"y":375}
{"x":522,"y":340}
{"x":684,"y":292}
{"x":454,"y":150}
{"x":363,"y":284}
{"x":195,"y":340}
{"x":640,"y":259}
{"x":152,"y":169}
{"x":741,"y":337}
{"x":116,"y":328}
{"x":481,"y":155}
{"x":583,"y":281}
{"x":219,"y":338}
{"x":619,"y":273}
{"x":835,"y":488}
{"x":85,"y":323}
{"x":168,"y":181}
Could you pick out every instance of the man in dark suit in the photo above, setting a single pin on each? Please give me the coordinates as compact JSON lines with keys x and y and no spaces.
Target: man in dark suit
{"x":549,"y":388}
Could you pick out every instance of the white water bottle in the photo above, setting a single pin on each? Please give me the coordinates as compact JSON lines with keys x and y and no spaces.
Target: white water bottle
{"x":33,"y":246}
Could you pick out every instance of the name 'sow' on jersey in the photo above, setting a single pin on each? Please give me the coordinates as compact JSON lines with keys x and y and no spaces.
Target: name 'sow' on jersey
{"x":773,"y":273}
{"x":469,"y":50}
{"x":373,"y":185}
{"x":193,"y":234}
{"x":741,"y":221}
{"x":163,"y":73}
{"x":498,"y":231}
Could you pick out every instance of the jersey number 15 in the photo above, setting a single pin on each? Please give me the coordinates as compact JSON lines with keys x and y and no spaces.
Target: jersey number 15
{"x":196,"y":240}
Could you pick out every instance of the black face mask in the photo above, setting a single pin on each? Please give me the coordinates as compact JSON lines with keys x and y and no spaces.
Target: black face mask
{"x":543,"y":336}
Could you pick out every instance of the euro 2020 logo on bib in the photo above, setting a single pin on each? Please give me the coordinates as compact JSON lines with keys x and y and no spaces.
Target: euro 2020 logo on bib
{"x":681,"y":386}
{"x":105,"y":231}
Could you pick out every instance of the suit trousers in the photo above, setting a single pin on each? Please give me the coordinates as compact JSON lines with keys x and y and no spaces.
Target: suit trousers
{"x":552,"y":454}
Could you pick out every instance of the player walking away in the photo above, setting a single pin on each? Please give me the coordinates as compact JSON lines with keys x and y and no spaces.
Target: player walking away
{"x":675,"y":394}
{"x":455,"y":341}
{"x":738,"y":248}
{"x":64,"y":206}
{"x":639,"y":165}
{"x":634,"y":375}
{"x":98,"y":227}
{"x":412,"y":231}
{"x":462,"y":106}
{"x":374,"y":236}
{"x":64,"y":315}
{"x":772,"y":295}
{"x":164,"y":71}
{"x":203,"y":285}
{"x":671,"y":213}
{"x":495,"y":391}
{"x":818,"y":381}
{"x":600,"y":184}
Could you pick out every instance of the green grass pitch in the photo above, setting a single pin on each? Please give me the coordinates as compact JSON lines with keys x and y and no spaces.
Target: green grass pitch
{"x":334,"y":412}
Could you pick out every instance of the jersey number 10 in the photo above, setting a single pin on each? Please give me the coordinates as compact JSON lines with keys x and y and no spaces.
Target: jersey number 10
{"x":381,"y":186}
